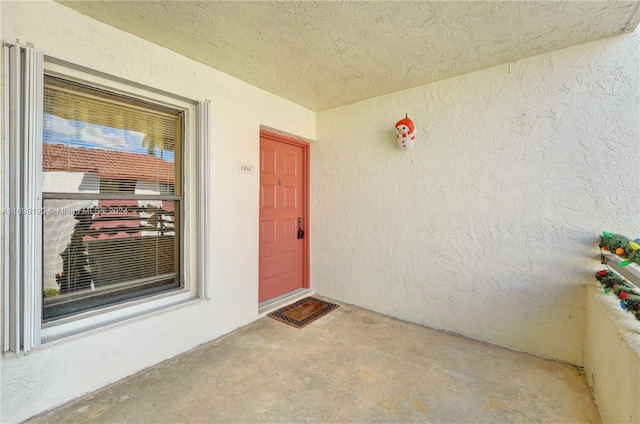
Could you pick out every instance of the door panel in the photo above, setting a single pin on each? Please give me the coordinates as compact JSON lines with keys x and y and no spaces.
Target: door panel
{"x":282,"y":198}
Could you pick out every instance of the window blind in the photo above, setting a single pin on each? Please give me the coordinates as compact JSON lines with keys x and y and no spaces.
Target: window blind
{"x":112,"y":189}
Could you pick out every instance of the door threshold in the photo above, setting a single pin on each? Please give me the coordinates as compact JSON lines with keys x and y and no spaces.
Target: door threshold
{"x":278,"y":302}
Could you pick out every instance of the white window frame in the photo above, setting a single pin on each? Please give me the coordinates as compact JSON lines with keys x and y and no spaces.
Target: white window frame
{"x":22,"y":286}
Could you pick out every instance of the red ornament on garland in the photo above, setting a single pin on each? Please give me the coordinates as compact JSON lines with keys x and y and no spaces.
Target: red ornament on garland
{"x":623,"y":295}
{"x":605,"y":248}
{"x":602,"y":272}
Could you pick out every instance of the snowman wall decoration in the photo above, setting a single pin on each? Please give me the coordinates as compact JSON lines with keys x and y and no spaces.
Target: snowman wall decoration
{"x":405,"y":132}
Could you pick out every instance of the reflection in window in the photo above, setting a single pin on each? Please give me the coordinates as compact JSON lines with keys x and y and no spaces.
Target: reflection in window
{"x":112,"y":195}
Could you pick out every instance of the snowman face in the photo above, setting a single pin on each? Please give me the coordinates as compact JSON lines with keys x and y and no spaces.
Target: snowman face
{"x":402,"y":129}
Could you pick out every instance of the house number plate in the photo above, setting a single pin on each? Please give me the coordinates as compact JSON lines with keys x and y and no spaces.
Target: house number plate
{"x":245,"y":168}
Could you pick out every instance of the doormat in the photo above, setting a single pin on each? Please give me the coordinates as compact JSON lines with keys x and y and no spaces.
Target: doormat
{"x":303,"y":312}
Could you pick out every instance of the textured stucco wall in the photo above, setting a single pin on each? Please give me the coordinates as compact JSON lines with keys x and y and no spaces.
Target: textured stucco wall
{"x":63,"y":370}
{"x":487,"y":227}
{"x":340,"y":52}
{"x":612,"y":357}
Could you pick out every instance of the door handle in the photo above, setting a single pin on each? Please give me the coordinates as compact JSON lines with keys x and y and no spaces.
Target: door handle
{"x":300,"y":230}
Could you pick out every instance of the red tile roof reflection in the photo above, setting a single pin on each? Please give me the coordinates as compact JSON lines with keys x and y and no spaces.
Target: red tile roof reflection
{"x":111,"y":220}
{"x":119,"y":227}
{"x":107,"y":163}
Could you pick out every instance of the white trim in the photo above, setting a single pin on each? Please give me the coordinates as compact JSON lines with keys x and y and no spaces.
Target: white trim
{"x":112,"y":83}
{"x":7,"y":177}
{"x":286,"y":134}
{"x":12,"y":186}
{"x":100,"y":318}
{"x":23,"y":162}
{"x":298,"y":295}
{"x":112,"y":78}
{"x":204,"y":238}
{"x":631,"y":272}
{"x":32,"y":197}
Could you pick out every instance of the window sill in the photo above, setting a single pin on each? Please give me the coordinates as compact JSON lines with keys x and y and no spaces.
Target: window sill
{"x":89,"y":322}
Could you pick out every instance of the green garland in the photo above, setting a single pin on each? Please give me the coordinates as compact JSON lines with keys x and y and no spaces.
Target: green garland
{"x":614,"y":242}
{"x":628,"y":294}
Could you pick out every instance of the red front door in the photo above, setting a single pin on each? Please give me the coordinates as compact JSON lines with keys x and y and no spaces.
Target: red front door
{"x":282,"y":215}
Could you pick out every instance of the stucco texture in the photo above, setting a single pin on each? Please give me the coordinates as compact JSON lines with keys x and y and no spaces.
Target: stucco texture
{"x":612,"y":357}
{"x":340,"y":52}
{"x":488,"y":226}
{"x":59,"y":371}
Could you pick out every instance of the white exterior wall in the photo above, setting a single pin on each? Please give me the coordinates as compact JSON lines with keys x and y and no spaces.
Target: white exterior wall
{"x":56,"y":373}
{"x":71,"y":182}
{"x":61,"y":213}
{"x":151,"y":187}
{"x":146,"y":187}
{"x":488,"y":227}
{"x":612,"y":357}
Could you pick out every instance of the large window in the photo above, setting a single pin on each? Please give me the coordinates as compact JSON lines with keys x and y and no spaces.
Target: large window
{"x":105,"y":199}
{"x":111,"y":168}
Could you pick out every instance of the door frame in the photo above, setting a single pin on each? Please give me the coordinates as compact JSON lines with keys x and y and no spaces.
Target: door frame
{"x":305,"y":200}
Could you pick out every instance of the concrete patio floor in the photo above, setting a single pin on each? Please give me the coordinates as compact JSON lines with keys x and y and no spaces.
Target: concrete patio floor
{"x":351,"y":365}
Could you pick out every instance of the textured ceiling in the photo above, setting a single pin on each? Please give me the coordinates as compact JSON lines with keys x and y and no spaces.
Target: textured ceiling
{"x":327,"y":54}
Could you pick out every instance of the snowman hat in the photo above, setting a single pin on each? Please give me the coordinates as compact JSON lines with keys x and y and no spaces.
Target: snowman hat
{"x":406,"y":121}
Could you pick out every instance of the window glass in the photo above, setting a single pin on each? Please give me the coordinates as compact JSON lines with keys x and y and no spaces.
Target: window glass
{"x":112,"y":198}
